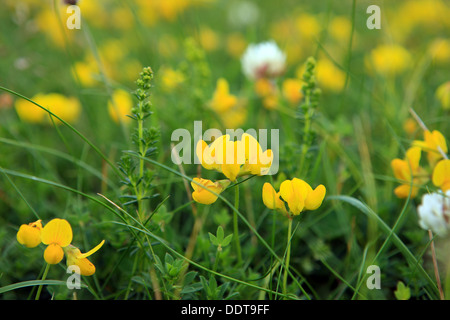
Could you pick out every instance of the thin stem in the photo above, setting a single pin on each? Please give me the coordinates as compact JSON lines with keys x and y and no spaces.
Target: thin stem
{"x":38,"y":294}
{"x":235,"y":224}
{"x":288,"y":255}
{"x":436,"y":270}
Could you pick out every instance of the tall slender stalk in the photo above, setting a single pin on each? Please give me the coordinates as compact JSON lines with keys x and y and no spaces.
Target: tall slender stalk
{"x":44,"y":276}
{"x":235,"y":225}
{"x":288,"y":255}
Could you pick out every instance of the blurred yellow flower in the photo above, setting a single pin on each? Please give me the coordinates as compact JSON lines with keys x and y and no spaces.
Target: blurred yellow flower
{"x":441,"y":175}
{"x":120,"y":105}
{"x":50,"y":24}
{"x":222,"y":100}
{"x":389,"y":60}
{"x":235,"y":44}
{"x":170,"y":78}
{"x":443,"y":94}
{"x":208,"y":39}
{"x":340,"y":28}
{"x":440,"y":51}
{"x":56,"y":234}
{"x":268,"y":91}
{"x":86,"y":73}
{"x":308,"y":26}
{"x":410,"y":126}
{"x":296,"y":193}
{"x":67,"y":108}
{"x":29,"y":235}
{"x":433,"y":144}
{"x":292,"y":90}
{"x":329,"y":77}
{"x":235,"y":158}
{"x":408,"y":172}
{"x":75,"y":257}
{"x":203,"y":193}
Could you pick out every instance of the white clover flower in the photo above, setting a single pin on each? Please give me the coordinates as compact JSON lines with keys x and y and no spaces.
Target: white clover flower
{"x":434,"y":213}
{"x":263,"y":60}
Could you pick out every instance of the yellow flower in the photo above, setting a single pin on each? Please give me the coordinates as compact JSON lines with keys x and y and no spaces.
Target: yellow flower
{"x":271,"y":198}
{"x":441,"y":175}
{"x":389,"y":60}
{"x":86,"y":73}
{"x":268,"y":91}
{"x":292,"y":90}
{"x":170,"y":78}
{"x":29,"y":235}
{"x":75,"y":257}
{"x":235,"y":158}
{"x":56,"y":234}
{"x":208,"y":38}
{"x":222,"y":100}
{"x":120,"y":106}
{"x":443,"y":94}
{"x":203,"y":193}
{"x":329,"y":76}
{"x":408,"y":171}
{"x":298,"y":195}
{"x":67,"y":108}
{"x":433,"y":144}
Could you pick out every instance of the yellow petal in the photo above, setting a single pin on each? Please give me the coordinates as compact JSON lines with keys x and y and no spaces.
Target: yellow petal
{"x":441,"y":174}
{"x":315,"y":198}
{"x":75,"y":258}
{"x":403,"y":191}
{"x":57,"y":231}
{"x":292,"y":196}
{"x":92,"y":251}
{"x":270,"y":197}
{"x":29,"y":235}
{"x":53,"y":254}
{"x":231,"y":171}
{"x":203,"y":193}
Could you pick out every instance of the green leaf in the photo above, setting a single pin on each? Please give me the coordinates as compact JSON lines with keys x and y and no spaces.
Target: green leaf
{"x":402,"y":292}
{"x":31,"y":283}
{"x":227,"y":240}
{"x":213,"y":239}
{"x":220,"y":234}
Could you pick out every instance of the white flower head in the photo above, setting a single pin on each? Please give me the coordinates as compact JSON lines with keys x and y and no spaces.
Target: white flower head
{"x":263,"y":60}
{"x":434,"y":213}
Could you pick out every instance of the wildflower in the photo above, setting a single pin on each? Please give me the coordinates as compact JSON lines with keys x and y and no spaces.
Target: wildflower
{"x":389,"y":60}
{"x":268,"y":92}
{"x":56,"y":234}
{"x":119,"y":107}
{"x":296,"y":193}
{"x":340,"y":28}
{"x":410,"y":126}
{"x":292,"y":90}
{"x":86,"y":73}
{"x":66,"y":108}
{"x":235,"y":44}
{"x":434,"y":212}
{"x":235,"y":158}
{"x":204,"y":193}
{"x":29,"y":235}
{"x":263,"y":60}
{"x":208,"y":39}
{"x":443,"y":94}
{"x":222,"y":100}
{"x":408,"y":171}
{"x":434,"y":144}
{"x":329,"y":76}
{"x":441,"y":175}
{"x":170,"y":78}
{"x":75,"y":257}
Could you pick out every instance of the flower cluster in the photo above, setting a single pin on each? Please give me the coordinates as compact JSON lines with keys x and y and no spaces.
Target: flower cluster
{"x":57,"y":236}
{"x":409,"y":172}
{"x":231,"y":158}
{"x":296,"y":194}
